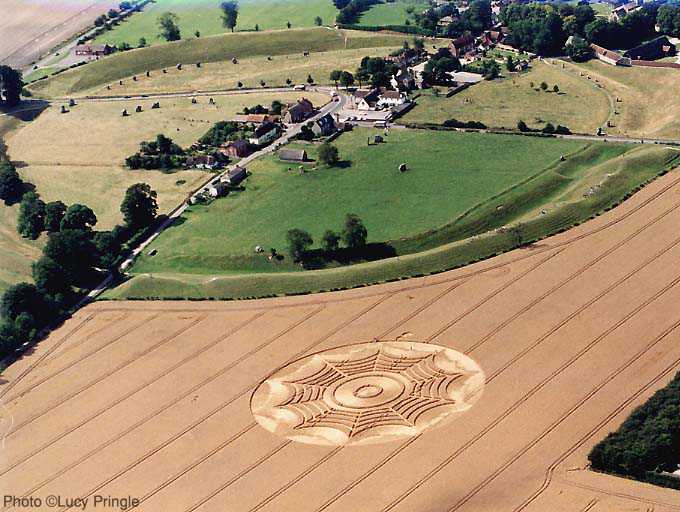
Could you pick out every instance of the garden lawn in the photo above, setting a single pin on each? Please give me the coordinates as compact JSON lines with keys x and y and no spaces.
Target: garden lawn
{"x":502,"y":103}
{"x":206,"y":17}
{"x":448,"y":174}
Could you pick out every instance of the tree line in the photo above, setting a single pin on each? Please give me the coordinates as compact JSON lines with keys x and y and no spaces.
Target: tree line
{"x":648,"y":441}
{"x":73,"y":254}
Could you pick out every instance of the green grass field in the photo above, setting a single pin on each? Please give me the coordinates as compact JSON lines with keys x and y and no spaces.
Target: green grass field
{"x":502,"y":103}
{"x":392,"y":13}
{"x":209,"y":49}
{"x":205,"y":16}
{"x":626,"y":171}
{"x":449,"y":174}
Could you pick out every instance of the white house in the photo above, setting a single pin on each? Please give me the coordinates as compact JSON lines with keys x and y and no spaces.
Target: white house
{"x":264,"y":134}
{"x":391,"y":99}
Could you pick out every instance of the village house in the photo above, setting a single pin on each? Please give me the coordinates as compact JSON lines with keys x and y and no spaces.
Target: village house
{"x":365,"y":99}
{"x":446,"y":21}
{"x":217,"y":189}
{"x":236,"y":149}
{"x":90,"y":50}
{"x":293,"y":155}
{"x":208,"y":162}
{"x":235,"y":176}
{"x":491,"y":38}
{"x":609,"y":56}
{"x":462,"y":45}
{"x":298,"y":111}
{"x":389,"y":98}
{"x":264,"y":133}
{"x":623,"y":10}
{"x":324,"y":126}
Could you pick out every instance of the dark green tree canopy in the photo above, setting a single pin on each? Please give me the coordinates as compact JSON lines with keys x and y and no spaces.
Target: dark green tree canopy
{"x":11,"y":84}
{"x":168,"y":26}
{"x":299,"y":242}
{"x":355,"y":233}
{"x":139,"y":206}
{"x":54,"y":213}
{"x":11,"y":186}
{"x":328,"y":154}
{"x":31,"y":216}
{"x":78,"y":216}
{"x":73,"y":250}
{"x":229,"y":14}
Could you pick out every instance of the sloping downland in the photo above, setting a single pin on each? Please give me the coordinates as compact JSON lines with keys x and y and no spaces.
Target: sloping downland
{"x":207,"y":49}
{"x":628,"y":174}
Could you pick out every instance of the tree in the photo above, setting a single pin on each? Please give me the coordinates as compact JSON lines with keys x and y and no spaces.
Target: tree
{"x":197,"y":33}
{"x":509,"y":63}
{"x":22,"y":298}
{"x":579,"y":50}
{"x":73,"y":250}
{"x":299,"y":242}
{"x":556,"y":88}
{"x":50,"y":278}
{"x":335,"y":76}
{"x":11,"y":84}
{"x":229,"y":14}
{"x":288,"y":24}
{"x":310,"y":80}
{"x":169,"y":29}
{"x":544,"y":86}
{"x":108,"y":247}
{"x":346,"y":79}
{"x":78,"y":216}
{"x":328,"y":154}
{"x":318,"y":21}
{"x":362,"y":76}
{"x":139,"y":206}
{"x":288,"y":81}
{"x":257,"y":27}
{"x":54,"y":213}
{"x":355,"y":233}
{"x":330,"y":241}
{"x":142,"y":42}
{"x":522,"y":126}
{"x":31,"y":220}
{"x":11,"y":186}
{"x":668,"y":19}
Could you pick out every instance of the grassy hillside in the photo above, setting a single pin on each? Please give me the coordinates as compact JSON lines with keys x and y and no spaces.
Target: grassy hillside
{"x":393,"y":13}
{"x":205,"y":16}
{"x":208,"y":49}
{"x":449,"y":173}
{"x":628,"y":173}
{"x":249,"y":71}
{"x":502,"y":103}
{"x":647,"y":105}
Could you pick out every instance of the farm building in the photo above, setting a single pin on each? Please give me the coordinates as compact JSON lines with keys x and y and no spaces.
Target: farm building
{"x":298,"y":111}
{"x":365,"y":100}
{"x":235,"y":176}
{"x":652,"y":50}
{"x":237,"y":149}
{"x":293,"y":155}
{"x":609,"y":56}
{"x":264,"y":133}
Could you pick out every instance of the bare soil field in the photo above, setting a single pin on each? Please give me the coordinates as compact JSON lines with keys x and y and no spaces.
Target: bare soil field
{"x":29,"y":28}
{"x":155,"y":400}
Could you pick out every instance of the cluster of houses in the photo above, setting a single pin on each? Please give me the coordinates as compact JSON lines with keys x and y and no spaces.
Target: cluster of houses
{"x":265,"y":128}
{"x":220,"y":186}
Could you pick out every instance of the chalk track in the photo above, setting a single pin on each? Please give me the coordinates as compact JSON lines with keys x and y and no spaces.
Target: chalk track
{"x":153,"y":399}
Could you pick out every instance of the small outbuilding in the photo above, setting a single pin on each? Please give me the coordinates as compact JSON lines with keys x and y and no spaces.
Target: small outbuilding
{"x":293,"y":155}
{"x":218,"y":189}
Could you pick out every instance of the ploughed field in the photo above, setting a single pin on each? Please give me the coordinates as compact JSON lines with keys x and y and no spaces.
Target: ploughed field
{"x":29,"y":28}
{"x":155,"y":400}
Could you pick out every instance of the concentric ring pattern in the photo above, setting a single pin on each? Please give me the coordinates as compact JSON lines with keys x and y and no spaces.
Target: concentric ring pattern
{"x":367,"y":393}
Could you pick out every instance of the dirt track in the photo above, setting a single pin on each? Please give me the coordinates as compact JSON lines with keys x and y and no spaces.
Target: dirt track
{"x":152,"y":400}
